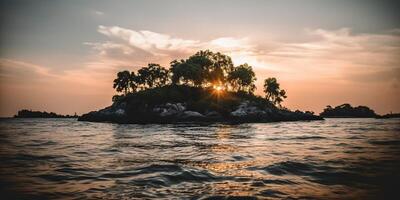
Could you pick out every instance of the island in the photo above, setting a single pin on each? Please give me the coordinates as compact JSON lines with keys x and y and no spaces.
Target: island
{"x":389,"y":115}
{"x":347,"y":111}
{"x":25,"y":113}
{"x":206,"y":87}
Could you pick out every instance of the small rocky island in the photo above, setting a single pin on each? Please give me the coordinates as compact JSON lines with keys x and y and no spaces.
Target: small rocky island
{"x":389,"y":115}
{"x":347,"y":111}
{"x":206,"y":87}
{"x":39,"y":114}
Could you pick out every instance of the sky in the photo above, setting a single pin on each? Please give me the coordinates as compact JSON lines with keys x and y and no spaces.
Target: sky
{"x":62,"y":56}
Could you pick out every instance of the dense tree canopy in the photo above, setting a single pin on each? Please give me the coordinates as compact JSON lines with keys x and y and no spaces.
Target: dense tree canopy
{"x":346,"y":110}
{"x":187,"y":73}
{"x":203,"y":69}
{"x":123,"y":82}
{"x":216,"y":66}
{"x":242,"y":78}
{"x":152,"y":76}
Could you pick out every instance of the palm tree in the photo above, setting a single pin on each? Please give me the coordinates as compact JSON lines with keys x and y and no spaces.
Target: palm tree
{"x":273,"y":92}
{"x":122,"y":82}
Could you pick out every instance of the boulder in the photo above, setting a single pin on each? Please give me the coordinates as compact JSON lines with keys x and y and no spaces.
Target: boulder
{"x":245,"y":109}
{"x":169,"y":109}
{"x":191,"y":114}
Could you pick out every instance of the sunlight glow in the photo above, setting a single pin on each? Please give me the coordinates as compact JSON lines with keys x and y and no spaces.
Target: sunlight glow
{"x":218,"y":88}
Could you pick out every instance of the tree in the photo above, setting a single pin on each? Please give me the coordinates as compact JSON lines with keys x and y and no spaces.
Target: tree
{"x":273,"y":92}
{"x":204,"y":68}
{"x":133,"y":82}
{"x":122,"y":82}
{"x":216,"y":66}
{"x":242,"y":78}
{"x":152,"y":76}
{"x":186,"y":72}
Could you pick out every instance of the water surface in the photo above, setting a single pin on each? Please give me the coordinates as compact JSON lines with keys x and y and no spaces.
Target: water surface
{"x":331,"y":159}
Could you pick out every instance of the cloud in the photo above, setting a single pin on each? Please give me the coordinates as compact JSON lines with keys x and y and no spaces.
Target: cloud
{"x":336,"y":65}
{"x":149,"y":41}
{"x":330,"y":55}
{"x":158,"y":47}
{"x":97,"y":12}
{"x":8,"y":66}
{"x":335,"y":54}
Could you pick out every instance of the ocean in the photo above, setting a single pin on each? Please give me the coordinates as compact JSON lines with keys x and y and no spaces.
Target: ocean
{"x":330,"y":159}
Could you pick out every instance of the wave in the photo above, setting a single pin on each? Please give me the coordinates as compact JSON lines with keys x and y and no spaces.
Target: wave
{"x":163,"y":175}
{"x":309,"y":138}
{"x":318,"y":173}
{"x":385,"y":142}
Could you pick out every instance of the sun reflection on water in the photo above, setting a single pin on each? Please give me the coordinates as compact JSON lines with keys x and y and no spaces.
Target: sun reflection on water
{"x":328,"y":159}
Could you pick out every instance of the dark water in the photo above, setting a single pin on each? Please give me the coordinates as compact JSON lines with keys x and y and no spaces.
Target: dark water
{"x":331,"y":159}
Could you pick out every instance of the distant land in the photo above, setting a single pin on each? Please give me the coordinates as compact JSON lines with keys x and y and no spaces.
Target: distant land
{"x":206,"y":87}
{"x":39,"y":114}
{"x":341,"y":111}
{"x":390,"y":115}
{"x":348,"y":111}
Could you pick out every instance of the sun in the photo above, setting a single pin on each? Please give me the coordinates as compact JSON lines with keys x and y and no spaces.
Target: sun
{"x":218,"y":88}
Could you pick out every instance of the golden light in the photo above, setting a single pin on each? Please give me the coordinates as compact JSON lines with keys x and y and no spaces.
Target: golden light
{"x":218,"y":88}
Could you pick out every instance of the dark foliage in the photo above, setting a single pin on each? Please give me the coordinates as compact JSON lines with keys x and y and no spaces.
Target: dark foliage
{"x":38,"y":114}
{"x":273,"y":92}
{"x":203,"y":69}
{"x":346,"y":110}
{"x":390,"y":115}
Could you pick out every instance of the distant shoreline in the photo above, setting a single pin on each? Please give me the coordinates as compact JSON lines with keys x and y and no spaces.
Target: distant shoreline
{"x":41,"y":114}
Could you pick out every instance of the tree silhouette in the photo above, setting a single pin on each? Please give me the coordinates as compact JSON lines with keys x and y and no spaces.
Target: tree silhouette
{"x":273,"y":92}
{"x":133,"y":82}
{"x":217,"y":68}
{"x":123,"y":82}
{"x":346,"y":110}
{"x":152,"y":76}
{"x":204,"y":68}
{"x":242,"y":78}
{"x":187,"y":73}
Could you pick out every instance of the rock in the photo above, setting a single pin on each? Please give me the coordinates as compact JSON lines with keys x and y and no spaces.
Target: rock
{"x":212,"y":114}
{"x":180,"y":107}
{"x":245,"y":112}
{"x":245,"y":109}
{"x":120,"y":112}
{"x":168,"y":112}
{"x":169,"y":109}
{"x":190,"y":114}
{"x":238,"y":113}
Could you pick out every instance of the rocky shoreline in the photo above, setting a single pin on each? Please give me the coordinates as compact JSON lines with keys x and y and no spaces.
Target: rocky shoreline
{"x":245,"y":112}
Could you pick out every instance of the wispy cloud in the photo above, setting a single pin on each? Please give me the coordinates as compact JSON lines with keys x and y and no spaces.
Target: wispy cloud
{"x":164,"y":48}
{"x":10,"y":66}
{"x":97,"y":12}
{"x":330,"y":54}
{"x":152,"y":42}
{"x":340,"y":53}
{"x":337,"y":64}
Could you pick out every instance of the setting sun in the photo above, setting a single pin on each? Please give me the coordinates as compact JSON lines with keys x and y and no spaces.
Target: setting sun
{"x":218,"y":99}
{"x":218,"y":88}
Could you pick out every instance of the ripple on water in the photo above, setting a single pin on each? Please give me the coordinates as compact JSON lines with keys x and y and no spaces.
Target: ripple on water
{"x":319,"y":173}
{"x":331,"y":159}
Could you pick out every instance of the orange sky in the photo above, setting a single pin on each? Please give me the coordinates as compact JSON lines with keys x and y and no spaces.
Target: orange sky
{"x":65,"y":63}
